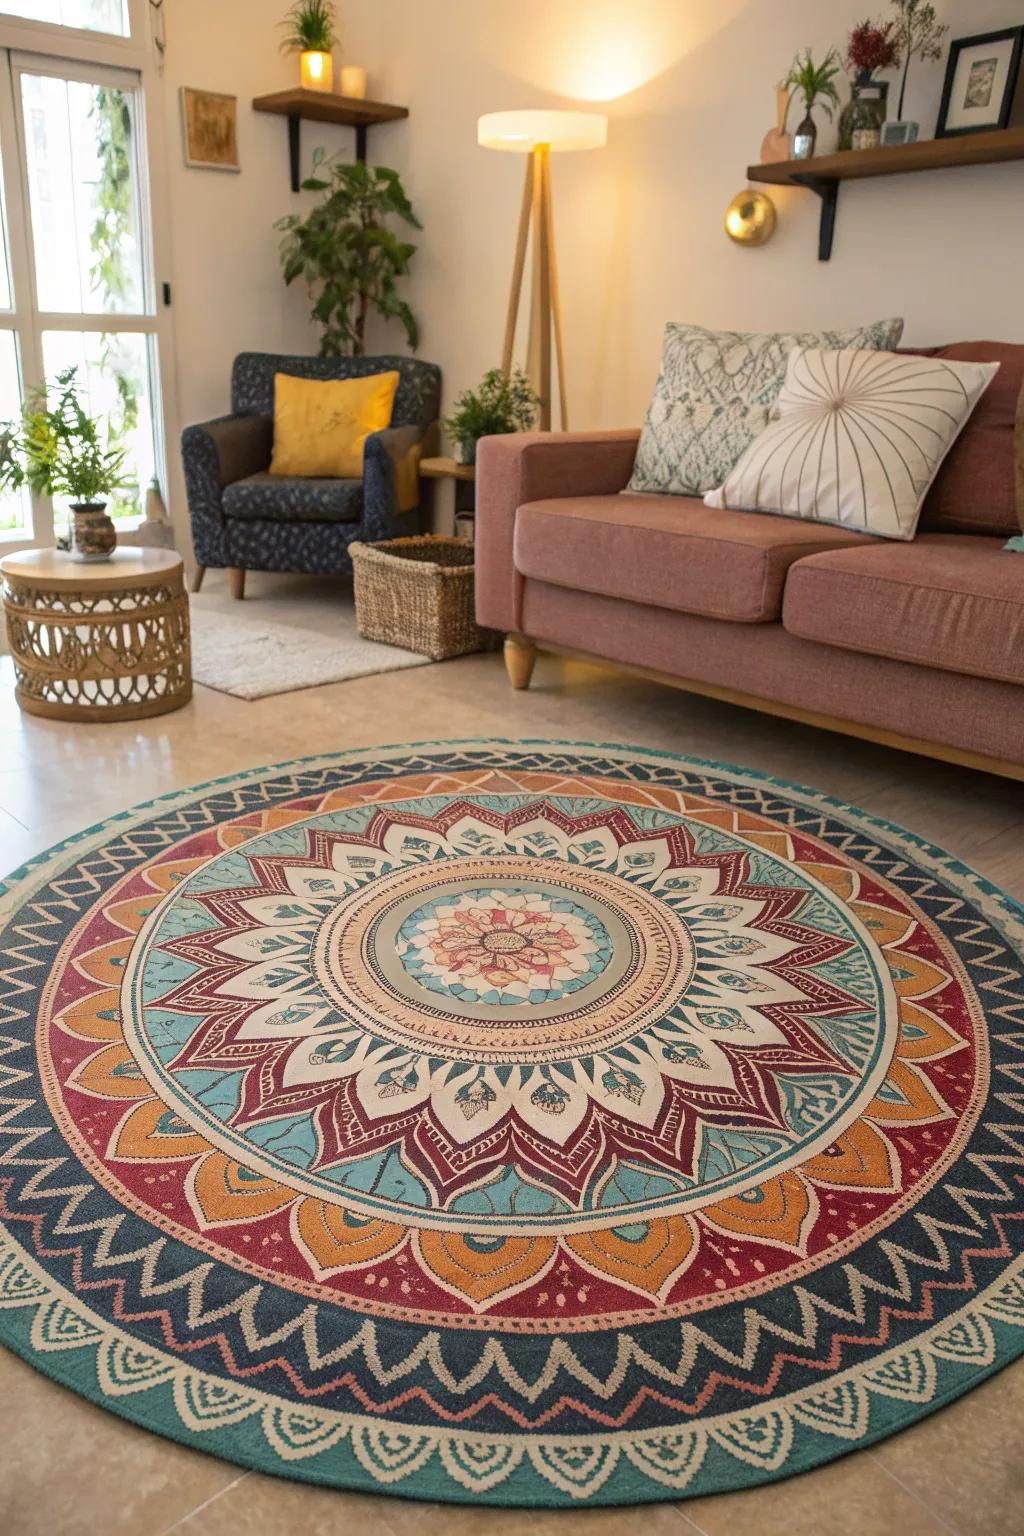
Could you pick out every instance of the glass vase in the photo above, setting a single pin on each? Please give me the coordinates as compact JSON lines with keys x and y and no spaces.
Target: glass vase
{"x":805,"y":139}
{"x":864,"y":113}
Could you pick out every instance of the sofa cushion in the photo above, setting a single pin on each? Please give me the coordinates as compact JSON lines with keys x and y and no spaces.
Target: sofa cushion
{"x":278,"y":499}
{"x":975,"y":490}
{"x":669,"y":552}
{"x":953,"y":601}
{"x":856,"y":438}
{"x":713,"y":396}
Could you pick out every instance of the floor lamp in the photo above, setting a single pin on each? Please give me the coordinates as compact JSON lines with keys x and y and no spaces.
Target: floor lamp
{"x":539,"y":134}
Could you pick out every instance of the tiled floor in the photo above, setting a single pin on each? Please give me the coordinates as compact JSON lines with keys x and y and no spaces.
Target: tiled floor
{"x":67,"y":1469}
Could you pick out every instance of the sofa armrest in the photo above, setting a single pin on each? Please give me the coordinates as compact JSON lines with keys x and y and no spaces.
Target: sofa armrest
{"x":391,"y":481}
{"x":216,"y":454}
{"x":533,"y":466}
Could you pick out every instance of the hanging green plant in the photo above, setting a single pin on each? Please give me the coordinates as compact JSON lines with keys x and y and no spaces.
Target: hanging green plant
{"x":345,"y":252}
{"x":309,"y":27}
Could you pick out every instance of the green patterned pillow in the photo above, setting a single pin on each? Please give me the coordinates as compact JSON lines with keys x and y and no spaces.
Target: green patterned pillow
{"x":713,"y":397}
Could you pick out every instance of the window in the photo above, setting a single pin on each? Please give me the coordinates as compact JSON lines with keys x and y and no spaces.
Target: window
{"x":77,"y":289}
{"x":90,"y":15}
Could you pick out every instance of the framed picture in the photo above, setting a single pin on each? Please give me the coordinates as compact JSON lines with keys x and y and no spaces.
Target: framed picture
{"x":210,"y":123}
{"x":981,"y":83}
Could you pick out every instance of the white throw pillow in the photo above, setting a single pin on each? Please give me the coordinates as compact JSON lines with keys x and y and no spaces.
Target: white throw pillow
{"x":713,"y":396}
{"x":856,"y":438}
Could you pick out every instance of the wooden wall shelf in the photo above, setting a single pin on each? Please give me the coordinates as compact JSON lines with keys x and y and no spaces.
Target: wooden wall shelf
{"x":325,"y":107}
{"x":823,"y":173}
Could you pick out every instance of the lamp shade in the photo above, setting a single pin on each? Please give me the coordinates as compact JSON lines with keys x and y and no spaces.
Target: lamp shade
{"x":521,"y":132}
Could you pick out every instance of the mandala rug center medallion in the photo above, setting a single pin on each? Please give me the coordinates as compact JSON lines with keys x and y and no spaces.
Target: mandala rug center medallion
{"x":525,"y":1124}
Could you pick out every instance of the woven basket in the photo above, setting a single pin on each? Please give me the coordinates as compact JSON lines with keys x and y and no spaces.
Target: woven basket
{"x":418,"y":593}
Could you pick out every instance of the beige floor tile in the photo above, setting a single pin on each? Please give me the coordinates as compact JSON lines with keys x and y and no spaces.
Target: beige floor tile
{"x":851,"y":1497}
{"x":965,"y":1461}
{"x":273,"y":1508}
{"x":69,"y":1469}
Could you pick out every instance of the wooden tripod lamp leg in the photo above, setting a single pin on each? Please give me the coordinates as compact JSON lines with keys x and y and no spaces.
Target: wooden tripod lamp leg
{"x":518,"y":268}
{"x":538,"y":364}
{"x":556,"y":305}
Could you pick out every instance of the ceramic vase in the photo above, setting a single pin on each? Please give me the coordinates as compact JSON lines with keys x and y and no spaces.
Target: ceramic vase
{"x":93,"y":535}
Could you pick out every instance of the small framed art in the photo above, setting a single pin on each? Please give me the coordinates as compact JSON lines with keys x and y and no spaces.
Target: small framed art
{"x":981,"y":83}
{"x":210,"y":126}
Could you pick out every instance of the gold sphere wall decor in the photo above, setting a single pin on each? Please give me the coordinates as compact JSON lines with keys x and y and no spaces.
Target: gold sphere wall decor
{"x":750,"y":218}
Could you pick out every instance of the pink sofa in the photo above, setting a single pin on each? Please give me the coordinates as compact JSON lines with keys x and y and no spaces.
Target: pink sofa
{"x":918,"y":645}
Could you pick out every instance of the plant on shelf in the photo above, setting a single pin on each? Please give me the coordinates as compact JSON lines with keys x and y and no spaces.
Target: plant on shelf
{"x":350,"y":260}
{"x":919,"y":35}
{"x":310,"y":31}
{"x":816,"y":83}
{"x":504,"y":402}
{"x":871,"y":48}
{"x":309,"y":27}
{"x":57,"y":449}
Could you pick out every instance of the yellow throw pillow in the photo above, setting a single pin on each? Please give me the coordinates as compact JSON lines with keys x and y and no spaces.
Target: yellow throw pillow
{"x":321,"y":425}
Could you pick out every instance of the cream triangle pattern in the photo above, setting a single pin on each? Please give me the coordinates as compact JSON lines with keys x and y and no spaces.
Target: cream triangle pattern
{"x":577,"y":1466}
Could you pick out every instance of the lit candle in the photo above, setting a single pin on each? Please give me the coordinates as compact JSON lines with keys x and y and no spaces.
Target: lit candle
{"x":353,"y":81}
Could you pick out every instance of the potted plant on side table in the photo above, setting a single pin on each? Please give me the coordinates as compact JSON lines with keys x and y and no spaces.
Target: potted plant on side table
{"x":56,"y":450}
{"x":504,"y":402}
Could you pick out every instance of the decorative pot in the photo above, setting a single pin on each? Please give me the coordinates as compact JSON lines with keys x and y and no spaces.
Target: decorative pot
{"x":93,"y":535}
{"x":860,"y":122}
{"x":317,"y":70}
{"x":805,"y":139}
{"x":465,"y":451}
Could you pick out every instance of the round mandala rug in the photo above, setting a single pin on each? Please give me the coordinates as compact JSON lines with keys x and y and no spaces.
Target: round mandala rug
{"x":518,"y":1123}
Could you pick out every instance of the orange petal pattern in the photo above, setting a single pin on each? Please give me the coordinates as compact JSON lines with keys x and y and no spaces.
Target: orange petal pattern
{"x":649,"y":1261}
{"x":778,"y":1211}
{"x":223,"y":1192}
{"x":482,"y":1269}
{"x":333,"y":1239}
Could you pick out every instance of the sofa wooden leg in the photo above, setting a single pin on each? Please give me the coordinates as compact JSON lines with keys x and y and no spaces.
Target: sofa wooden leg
{"x":236,"y":578}
{"x":197,"y":579}
{"x":520,"y":656}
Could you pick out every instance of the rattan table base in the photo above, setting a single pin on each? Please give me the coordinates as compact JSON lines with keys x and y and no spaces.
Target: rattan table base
{"x":103,"y":641}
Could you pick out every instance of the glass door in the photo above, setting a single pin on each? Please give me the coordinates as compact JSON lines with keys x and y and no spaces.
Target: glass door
{"x":79,"y":269}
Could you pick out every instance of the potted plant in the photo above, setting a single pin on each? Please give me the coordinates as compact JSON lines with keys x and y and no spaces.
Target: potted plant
{"x":816,"y":84}
{"x":504,"y":402}
{"x":349,"y":258}
{"x":311,"y":33}
{"x":871,"y":48}
{"x":919,"y":35}
{"x":56,"y":449}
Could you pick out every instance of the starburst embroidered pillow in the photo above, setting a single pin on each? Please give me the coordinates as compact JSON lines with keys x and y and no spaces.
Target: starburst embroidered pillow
{"x":713,"y":396}
{"x":856,"y":438}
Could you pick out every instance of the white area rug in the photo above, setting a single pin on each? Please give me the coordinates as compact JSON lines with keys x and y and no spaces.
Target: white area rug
{"x":252,"y":658}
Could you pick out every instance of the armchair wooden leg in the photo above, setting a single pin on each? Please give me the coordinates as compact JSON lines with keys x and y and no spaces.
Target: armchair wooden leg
{"x":236,"y":578}
{"x":197,"y":579}
{"x":520,"y":656}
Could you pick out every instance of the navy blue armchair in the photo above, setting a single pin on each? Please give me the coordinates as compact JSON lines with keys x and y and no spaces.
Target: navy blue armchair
{"x":244,"y":518}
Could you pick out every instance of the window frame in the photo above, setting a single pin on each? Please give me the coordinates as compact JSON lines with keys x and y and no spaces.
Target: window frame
{"x":48,"y":46}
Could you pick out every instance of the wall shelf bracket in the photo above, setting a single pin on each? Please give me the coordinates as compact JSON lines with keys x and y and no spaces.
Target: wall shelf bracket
{"x":827,"y":188}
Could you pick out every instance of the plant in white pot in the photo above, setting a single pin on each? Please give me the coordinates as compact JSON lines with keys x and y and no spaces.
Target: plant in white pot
{"x":505,"y":402}
{"x":56,"y":449}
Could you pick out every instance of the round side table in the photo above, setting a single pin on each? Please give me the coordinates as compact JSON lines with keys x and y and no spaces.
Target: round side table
{"x":98,"y":641}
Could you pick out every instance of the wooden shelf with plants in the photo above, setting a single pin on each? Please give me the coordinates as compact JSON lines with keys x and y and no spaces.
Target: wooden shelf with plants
{"x":823,"y":173}
{"x":301,"y":104}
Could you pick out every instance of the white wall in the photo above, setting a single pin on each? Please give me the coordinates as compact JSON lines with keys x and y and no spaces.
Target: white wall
{"x":689,"y":87}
